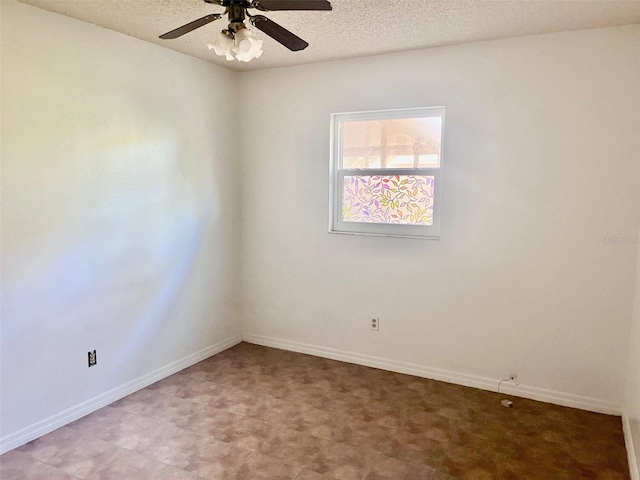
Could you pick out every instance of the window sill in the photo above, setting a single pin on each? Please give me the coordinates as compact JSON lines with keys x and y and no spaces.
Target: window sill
{"x":415,"y":237}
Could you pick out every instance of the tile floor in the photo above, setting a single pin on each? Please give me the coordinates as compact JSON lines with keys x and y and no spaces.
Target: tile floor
{"x":253,"y":413}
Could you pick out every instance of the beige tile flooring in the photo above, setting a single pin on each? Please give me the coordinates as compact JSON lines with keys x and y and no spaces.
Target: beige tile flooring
{"x":254,"y":412}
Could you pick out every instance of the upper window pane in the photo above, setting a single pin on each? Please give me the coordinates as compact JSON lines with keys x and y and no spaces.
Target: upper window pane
{"x":392,"y":143}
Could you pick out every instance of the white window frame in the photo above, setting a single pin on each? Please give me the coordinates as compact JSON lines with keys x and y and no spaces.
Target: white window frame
{"x":337,"y":174}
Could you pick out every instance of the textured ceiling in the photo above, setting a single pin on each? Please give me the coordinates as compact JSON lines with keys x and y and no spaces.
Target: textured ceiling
{"x":355,"y":27}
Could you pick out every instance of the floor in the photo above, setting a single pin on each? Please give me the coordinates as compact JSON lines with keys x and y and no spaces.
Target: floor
{"x":254,"y":412}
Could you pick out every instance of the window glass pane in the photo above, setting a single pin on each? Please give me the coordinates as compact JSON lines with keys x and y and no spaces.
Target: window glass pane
{"x":392,"y":143}
{"x":396,"y":199}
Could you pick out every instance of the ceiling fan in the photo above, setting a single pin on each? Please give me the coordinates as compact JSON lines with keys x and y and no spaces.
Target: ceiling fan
{"x":236,"y":41}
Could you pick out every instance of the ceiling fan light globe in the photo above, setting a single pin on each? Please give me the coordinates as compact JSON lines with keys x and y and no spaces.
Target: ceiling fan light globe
{"x":243,"y":47}
{"x":244,"y":41}
{"x":257,"y":53}
{"x":244,"y":57}
{"x":222,"y":45}
{"x":242,"y":34}
{"x":249,"y":50}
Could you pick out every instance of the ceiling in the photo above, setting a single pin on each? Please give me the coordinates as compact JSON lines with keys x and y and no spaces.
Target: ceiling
{"x":354,"y":28}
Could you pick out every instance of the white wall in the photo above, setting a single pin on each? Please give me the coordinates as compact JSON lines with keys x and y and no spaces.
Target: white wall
{"x":632,"y":403}
{"x":120,"y":205}
{"x":541,"y":157}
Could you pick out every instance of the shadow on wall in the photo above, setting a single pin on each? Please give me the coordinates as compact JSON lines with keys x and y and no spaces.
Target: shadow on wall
{"x":113,"y":268}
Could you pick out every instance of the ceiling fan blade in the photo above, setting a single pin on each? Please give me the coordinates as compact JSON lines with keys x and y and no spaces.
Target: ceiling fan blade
{"x":178,"y":32}
{"x":272,"y":5}
{"x":278,"y":33}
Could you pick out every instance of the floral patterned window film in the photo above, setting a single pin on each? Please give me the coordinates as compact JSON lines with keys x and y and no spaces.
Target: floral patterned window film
{"x":389,"y":199}
{"x":392,"y":143}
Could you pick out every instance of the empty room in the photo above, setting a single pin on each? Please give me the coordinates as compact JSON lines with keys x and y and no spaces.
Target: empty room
{"x":319,"y":239}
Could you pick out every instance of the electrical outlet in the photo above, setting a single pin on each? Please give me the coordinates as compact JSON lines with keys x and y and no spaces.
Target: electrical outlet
{"x":93,"y":358}
{"x":375,"y":323}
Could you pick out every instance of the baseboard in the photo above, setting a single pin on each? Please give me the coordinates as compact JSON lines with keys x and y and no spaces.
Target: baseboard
{"x":634,"y":468}
{"x":27,"y":434}
{"x":476,"y":381}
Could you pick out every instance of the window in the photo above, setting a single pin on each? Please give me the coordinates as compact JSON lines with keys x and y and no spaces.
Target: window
{"x":386,"y":172}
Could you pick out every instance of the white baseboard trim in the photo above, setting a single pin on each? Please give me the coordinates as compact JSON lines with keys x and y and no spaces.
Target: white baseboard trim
{"x":27,"y":434}
{"x":634,"y":468}
{"x":476,"y":381}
